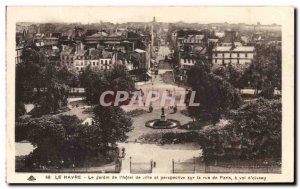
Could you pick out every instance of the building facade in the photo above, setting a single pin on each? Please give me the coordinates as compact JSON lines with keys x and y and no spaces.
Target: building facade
{"x":18,"y":56}
{"x":241,"y":55}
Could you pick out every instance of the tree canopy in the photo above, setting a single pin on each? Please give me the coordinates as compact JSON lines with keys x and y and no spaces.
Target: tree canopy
{"x":254,"y":132}
{"x":216,"y":95}
{"x":96,"y":81}
{"x":41,"y":83}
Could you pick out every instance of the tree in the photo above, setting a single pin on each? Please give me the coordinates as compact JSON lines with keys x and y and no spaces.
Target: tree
{"x":48,"y":137}
{"x":96,"y":81}
{"x":36,"y":73}
{"x":56,"y":139}
{"x":265,"y":72}
{"x":70,"y":77}
{"x":29,"y":74}
{"x":254,"y":132}
{"x":216,"y":96}
{"x":20,"y":108}
{"x":54,"y":98}
{"x":119,"y":78}
{"x":233,"y":75}
{"x":111,"y":125}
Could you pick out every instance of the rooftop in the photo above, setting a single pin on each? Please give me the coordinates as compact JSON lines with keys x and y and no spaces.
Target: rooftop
{"x":67,"y":50}
{"x":236,"y":49}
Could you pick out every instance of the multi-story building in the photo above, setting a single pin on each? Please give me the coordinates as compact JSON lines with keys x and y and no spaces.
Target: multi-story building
{"x":67,"y":56}
{"x":50,"y":41}
{"x":96,"y":58}
{"x":186,"y":64}
{"x":191,"y":40}
{"x":18,"y":56}
{"x":140,"y":65}
{"x":240,"y":55}
{"x":94,"y":39}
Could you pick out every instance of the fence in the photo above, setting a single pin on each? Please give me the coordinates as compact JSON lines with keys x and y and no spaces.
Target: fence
{"x":196,"y":166}
{"x":141,"y":167}
{"x":243,"y":169}
{"x":114,"y":167}
{"x":192,"y":166}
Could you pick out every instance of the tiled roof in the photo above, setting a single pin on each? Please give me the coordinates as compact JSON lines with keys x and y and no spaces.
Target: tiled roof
{"x":80,"y":52}
{"x":106,"y":54}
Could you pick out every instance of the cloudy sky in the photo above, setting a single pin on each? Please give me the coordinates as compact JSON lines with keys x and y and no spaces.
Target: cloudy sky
{"x":249,"y":15}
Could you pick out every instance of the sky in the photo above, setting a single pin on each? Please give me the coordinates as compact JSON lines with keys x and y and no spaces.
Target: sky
{"x":202,"y":15}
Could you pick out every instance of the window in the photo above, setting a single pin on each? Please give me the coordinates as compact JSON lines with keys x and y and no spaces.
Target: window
{"x":105,"y":61}
{"x":238,"y":55}
{"x":81,"y":63}
{"x":110,"y":61}
{"x":97,"y":63}
{"x":93,"y":63}
{"x":223,"y":55}
{"x":230,"y":55}
{"x":101,"y":61}
{"x":246,"y":55}
{"x":215,"y":60}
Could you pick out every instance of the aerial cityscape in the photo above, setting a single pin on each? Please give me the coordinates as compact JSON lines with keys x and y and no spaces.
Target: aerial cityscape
{"x":209,"y":97}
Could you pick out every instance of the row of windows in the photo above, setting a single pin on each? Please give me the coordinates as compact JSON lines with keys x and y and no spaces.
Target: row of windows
{"x":77,"y":57}
{"x":102,"y":68}
{"x":192,"y":41}
{"x":94,"y":62}
{"x":188,"y":61}
{"x":230,"y":54}
{"x":223,"y":61}
{"x":69,"y":57}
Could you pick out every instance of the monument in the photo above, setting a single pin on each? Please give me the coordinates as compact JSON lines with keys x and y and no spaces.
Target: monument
{"x":163,"y":116}
{"x":163,"y":122}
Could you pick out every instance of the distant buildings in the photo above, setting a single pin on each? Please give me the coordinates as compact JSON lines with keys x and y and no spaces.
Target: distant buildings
{"x":79,"y":58}
{"x":134,"y":45}
{"x":219,"y":48}
{"x":50,"y":41}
